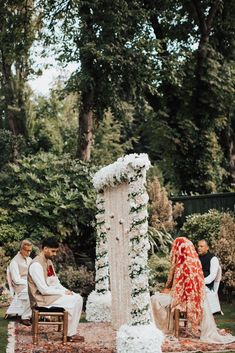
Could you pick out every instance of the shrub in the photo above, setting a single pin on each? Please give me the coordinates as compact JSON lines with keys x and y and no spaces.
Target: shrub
{"x":218,"y":229}
{"x":4,"y":261}
{"x":224,"y":248}
{"x":158,"y":271}
{"x":162,"y":213}
{"x":162,"y":216}
{"x":79,"y":280}
{"x":202,"y":226}
{"x":45,"y":195}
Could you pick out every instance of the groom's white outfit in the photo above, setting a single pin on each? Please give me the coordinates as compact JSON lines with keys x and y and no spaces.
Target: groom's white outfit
{"x":46,"y":290}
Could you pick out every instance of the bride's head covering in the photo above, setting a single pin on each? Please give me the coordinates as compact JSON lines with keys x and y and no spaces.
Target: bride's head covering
{"x":187,"y":288}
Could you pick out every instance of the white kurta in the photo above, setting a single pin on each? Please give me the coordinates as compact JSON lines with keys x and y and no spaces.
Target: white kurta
{"x":16,"y":277}
{"x":70,"y":302}
{"x":21,"y":299}
{"x":214,"y":267}
{"x":212,"y":294}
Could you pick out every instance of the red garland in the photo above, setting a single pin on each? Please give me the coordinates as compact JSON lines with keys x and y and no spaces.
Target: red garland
{"x":50,"y":271}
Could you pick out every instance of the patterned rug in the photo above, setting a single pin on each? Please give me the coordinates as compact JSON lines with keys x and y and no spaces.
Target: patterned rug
{"x":99,"y":338}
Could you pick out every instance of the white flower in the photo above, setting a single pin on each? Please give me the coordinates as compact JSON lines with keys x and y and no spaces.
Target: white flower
{"x":123,"y":169}
{"x":98,"y":307}
{"x":139,"y":339}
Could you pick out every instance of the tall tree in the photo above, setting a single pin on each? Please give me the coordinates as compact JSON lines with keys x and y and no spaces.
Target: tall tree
{"x":17,"y":33}
{"x":161,"y":57}
{"x":107,"y":40}
{"x":194,"y":91}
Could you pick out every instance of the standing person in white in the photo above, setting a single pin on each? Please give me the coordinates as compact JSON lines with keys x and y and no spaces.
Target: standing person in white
{"x":212,"y":274}
{"x":46,"y":290}
{"x":18,"y":270}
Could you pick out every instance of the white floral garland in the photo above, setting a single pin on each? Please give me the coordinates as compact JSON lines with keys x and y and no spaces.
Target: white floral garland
{"x":123,"y":170}
{"x":140,"y":335}
{"x":98,"y":306}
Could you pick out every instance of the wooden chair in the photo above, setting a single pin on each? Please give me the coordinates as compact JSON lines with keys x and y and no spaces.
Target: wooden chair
{"x":39,"y":314}
{"x":179,"y":317}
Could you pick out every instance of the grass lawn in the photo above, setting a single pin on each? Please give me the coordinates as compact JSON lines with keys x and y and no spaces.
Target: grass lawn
{"x":3,"y":331}
{"x":227,"y":321}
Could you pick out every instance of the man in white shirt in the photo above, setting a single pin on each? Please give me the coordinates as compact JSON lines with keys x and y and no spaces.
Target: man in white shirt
{"x":210,"y":263}
{"x":45,"y":289}
{"x":18,"y":269}
{"x":212,"y":270}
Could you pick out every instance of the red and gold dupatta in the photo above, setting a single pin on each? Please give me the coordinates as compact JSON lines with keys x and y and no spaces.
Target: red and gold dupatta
{"x":186,"y":280}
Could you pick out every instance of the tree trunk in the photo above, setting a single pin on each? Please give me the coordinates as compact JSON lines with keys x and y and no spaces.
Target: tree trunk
{"x":85,"y":134}
{"x":13,"y":114}
{"x":205,"y":24}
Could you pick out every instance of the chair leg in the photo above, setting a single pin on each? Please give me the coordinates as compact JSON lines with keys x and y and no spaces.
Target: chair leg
{"x":35,"y":327}
{"x":177,"y":324}
{"x":65,"y":327}
{"x":59,"y":318}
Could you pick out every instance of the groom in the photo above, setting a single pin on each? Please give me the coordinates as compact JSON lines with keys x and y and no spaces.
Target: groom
{"x":46,"y":290}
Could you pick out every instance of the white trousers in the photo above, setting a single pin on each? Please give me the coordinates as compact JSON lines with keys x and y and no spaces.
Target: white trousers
{"x":20,"y":305}
{"x":73,"y":304}
{"x":27,"y":312}
{"x":24,"y":298}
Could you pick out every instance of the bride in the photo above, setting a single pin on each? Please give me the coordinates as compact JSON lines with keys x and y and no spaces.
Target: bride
{"x":185,"y":290}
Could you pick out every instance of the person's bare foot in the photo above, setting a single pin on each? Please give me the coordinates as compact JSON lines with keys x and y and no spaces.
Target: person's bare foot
{"x":75,"y":338}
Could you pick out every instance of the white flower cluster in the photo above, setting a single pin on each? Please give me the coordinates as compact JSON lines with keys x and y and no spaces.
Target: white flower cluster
{"x":123,"y":170}
{"x":139,"y":339}
{"x":139,"y":245}
{"x":102,"y":264}
{"x":98,"y":307}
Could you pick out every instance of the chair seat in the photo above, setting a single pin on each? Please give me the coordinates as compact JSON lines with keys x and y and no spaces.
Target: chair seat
{"x":52,"y":309}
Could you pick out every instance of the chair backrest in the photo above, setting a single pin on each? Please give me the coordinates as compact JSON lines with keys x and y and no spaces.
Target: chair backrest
{"x":217,"y":280}
{"x":9,"y":281}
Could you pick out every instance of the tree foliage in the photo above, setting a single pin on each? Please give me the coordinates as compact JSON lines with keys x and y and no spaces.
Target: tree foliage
{"x":18,"y":28}
{"x":174,"y":62}
{"x":48,"y":195}
{"x":52,"y":123}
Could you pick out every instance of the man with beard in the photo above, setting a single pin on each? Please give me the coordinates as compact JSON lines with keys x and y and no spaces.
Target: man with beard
{"x":45,"y":289}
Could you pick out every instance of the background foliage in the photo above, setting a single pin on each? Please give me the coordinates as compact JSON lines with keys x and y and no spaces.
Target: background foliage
{"x":45,"y":195}
{"x":152,"y":76}
{"x":217,"y":228}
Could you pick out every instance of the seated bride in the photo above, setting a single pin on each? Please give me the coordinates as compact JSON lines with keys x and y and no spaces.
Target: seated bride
{"x":185,"y":290}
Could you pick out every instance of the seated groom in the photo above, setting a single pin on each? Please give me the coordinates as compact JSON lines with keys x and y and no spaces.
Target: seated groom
{"x":212,"y":274}
{"x":45,"y":289}
{"x":18,"y":271}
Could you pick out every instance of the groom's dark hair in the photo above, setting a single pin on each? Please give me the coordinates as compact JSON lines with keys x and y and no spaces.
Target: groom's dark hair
{"x":50,"y":243}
